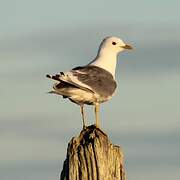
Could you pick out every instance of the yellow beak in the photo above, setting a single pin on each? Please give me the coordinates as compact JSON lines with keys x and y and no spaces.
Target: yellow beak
{"x":127,"y":46}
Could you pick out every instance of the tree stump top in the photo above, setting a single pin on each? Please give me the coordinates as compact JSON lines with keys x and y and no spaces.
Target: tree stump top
{"x":91,"y":156}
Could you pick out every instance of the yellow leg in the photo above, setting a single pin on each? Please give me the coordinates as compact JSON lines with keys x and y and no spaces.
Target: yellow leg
{"x":83,"y":118}
{"x":97,"y":114}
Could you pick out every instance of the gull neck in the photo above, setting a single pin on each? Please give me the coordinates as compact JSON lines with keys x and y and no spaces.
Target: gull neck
{"x":106,"y":60}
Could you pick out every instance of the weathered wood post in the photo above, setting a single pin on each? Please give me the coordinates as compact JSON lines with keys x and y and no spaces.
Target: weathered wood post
{"x":91,"y":156}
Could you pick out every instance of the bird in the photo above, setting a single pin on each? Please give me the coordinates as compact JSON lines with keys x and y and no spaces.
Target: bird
{"x":94,"y":83}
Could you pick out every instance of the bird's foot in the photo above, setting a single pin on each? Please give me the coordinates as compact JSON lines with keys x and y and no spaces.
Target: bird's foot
{"x":84,"y":127}
{"x":98,"y":127}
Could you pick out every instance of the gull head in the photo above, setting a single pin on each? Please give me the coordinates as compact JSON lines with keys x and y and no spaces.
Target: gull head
{"x":114,"y":45}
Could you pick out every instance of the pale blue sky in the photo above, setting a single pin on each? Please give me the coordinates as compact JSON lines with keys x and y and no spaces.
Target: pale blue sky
{"x":21,"y":16}
{"x":40,"y":37}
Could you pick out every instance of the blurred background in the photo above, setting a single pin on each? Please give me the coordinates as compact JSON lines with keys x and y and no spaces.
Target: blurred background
{"x":39,"y":37}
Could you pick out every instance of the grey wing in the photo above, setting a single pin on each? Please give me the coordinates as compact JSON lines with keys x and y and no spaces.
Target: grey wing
{"x":89,"y":78}
{"x":71,"y":79}
{"x":98,"y":79}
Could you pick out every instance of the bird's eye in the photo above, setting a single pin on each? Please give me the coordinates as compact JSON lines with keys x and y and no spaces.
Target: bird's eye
{"x":114,"y":43}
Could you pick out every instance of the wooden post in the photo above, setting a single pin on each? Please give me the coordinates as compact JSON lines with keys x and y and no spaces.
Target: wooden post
{"x":91,"y":156}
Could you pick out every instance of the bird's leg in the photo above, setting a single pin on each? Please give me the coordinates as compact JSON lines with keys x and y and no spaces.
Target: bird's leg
{"x":97,"y":114}
{"x":83,"y":118}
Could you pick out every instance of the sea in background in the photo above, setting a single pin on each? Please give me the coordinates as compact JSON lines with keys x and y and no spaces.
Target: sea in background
{"x":144,"y":115}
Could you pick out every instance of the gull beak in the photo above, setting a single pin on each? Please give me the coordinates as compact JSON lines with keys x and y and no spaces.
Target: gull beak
{"x":127,"y":46}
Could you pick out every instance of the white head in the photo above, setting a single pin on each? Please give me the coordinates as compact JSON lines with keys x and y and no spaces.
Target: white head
{"x":107,"y":55}
{"x":113,"y":45}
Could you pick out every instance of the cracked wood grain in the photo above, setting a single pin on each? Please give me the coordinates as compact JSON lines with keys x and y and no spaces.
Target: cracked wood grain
{"x":91,"y":156}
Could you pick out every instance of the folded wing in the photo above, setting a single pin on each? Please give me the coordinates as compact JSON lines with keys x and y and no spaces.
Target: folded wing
{"x":89,"y":78}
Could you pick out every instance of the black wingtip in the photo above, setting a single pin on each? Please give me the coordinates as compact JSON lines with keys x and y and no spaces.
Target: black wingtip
{"x":62,"y":73}
{"x":48,"y":76}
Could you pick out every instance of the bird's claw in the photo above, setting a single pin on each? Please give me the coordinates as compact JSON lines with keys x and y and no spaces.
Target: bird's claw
{"x":84,"y":127}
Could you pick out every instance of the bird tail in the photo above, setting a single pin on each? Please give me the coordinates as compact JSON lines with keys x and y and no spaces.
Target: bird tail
{"x":54,"y":92}
{"x":61,"y":87}
{"x":56,"y":77}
